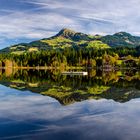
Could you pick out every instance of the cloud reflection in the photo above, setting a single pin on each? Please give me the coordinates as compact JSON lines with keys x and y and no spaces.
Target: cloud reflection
{"x":41,"y":116}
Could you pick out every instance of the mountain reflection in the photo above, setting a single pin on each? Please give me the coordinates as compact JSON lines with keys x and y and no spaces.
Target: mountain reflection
{"x":121,"y":86}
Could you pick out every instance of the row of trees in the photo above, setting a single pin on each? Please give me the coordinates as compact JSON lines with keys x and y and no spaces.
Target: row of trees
{"x":73,"y":57}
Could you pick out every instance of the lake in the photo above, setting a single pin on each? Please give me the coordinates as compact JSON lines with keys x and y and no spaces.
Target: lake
{"x":47,"y":105}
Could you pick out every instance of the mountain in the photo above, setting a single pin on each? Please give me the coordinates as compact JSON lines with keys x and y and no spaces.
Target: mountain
{"x":72,"y":35}
{"x":121,"y":39}
{"x":69,"y":38}
{"x":65,"y":38}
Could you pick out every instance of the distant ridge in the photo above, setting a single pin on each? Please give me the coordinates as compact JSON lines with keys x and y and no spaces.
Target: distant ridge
{"x":69,"y":38}
{"x":121,"y":39}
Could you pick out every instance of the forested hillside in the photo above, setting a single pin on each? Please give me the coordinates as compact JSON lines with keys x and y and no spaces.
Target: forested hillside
{"x":69,"y":48}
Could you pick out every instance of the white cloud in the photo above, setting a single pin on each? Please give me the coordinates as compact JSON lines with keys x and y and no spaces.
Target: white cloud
{"x":28,"y":26}
{"x":45,"y":18}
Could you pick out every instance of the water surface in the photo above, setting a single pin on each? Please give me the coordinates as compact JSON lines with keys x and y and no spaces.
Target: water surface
{"x":44,"y":105}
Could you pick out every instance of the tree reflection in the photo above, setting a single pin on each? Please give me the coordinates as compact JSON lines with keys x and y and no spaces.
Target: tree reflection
{"x":121,"y":86}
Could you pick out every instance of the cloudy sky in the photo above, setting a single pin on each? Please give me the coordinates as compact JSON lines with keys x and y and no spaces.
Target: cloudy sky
{"x":27,"y":20}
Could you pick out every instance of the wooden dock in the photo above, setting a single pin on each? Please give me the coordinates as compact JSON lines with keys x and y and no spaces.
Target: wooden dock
{"x":74,"y":73}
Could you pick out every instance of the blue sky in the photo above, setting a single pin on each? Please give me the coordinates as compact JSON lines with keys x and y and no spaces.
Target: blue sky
{"x":27,"y":20}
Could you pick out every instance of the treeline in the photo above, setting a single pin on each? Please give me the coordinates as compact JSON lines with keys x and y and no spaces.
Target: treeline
{"x":84,"y":57}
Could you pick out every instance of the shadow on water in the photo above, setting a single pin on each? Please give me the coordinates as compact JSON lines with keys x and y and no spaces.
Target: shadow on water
{"x":121,"y":86}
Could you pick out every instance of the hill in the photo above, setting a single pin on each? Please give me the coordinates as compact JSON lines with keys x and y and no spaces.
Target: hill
{"x":121,"y":39}
{"x":69,"y":38}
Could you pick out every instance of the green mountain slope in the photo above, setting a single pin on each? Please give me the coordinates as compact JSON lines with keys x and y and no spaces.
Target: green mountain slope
{"x":68,"y":38}
{"x":121,"y":39}
{"x":65,"y":38}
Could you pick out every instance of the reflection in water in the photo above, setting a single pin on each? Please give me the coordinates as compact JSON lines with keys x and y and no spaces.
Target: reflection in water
{"x":25,"y":115}
{"x":121,"y":86}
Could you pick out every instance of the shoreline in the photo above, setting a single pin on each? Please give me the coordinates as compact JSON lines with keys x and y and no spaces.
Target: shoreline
{"x":73,"y":68}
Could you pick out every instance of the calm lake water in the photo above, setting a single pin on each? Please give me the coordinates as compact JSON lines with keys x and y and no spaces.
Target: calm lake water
{"x":46,"y":105}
